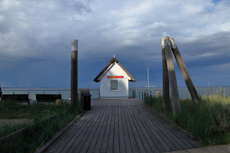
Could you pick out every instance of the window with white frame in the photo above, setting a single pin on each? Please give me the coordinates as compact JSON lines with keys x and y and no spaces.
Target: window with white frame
{"x":114,"y":84}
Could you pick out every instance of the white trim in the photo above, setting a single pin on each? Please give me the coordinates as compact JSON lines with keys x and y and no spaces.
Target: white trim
{"x":114,"y":90}
{"x":108,"y":69}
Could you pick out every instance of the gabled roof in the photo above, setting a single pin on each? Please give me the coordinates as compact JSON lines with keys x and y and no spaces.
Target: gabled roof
{"x":110,"y":63}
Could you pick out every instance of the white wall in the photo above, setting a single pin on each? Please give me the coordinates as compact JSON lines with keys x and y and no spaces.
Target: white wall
{"x":123,"y":84}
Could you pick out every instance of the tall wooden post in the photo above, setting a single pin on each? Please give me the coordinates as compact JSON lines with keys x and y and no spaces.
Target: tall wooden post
{"x":184,"y":72}
{"x":139,"y":94}
{"x":74,"y":73}
{"x":172,"y":77}
{"x":166,"y":102}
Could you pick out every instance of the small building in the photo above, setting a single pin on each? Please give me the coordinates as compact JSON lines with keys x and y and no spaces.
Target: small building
{"x":114,"y":81}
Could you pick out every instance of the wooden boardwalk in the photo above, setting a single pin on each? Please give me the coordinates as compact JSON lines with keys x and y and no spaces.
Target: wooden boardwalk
{"x":122,"y":126}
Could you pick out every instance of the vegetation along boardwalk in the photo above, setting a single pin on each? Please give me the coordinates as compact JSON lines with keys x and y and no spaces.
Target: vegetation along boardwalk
{"x":122,"y":126}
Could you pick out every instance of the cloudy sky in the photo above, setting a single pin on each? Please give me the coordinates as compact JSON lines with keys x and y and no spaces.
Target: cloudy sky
{"x":35,"y":40}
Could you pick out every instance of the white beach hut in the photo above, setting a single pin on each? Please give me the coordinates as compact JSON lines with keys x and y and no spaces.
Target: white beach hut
{"x":114,"y":81}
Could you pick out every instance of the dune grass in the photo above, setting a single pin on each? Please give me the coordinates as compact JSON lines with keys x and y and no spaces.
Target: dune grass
{"x":12,"y":110}
{"x":35,"y":137}
{"x":212,"y":110}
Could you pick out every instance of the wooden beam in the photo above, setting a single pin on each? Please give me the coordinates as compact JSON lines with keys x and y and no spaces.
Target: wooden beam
{"x":184,"y":72}
{"x":166,"y":100}
{"x":172,"y":77}
{"x":219,"y":128}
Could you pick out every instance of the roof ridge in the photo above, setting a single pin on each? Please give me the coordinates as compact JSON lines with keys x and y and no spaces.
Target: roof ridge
{"x":111,"y":62}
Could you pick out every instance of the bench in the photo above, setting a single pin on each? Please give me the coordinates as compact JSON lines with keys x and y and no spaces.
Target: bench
{"x":47,"y":97}
{"x":17,"y":97}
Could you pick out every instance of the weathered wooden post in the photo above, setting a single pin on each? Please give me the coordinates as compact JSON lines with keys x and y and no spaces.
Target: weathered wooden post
{"x":139,"y":94}
{"x":74,"y":73}
{"x":172,"y":77}
{"x":144,"y":97}
{"x":142,"y":94}
{"x":150,"y":100}
{"x":184,"y":72}
{"x":166,"y":102}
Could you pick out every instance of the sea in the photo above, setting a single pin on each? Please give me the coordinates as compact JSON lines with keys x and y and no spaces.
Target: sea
{"x":133,"y":92}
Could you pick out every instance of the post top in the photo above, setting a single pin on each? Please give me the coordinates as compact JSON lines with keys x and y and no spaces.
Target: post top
{"x":74,"y":46}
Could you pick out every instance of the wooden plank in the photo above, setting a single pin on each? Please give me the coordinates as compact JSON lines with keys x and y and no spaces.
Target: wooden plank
{"x":121,"y":126}
{"x":135,"y":131}
{"x":172,"y":77}
{"x":66,"y":139}
{"x":91,"y":139}
{"x":175,"y":143}
{"x":126,"y":133}
{"x":106,"y":134}
{"x":161,"y":137}
{"x":84,"y":136}
{"x":111,"y":131}
{"x":121,"y":130}
{"x":213,"y":149}
{"x":146,"y":140}
{"x":180,"y":151}
{"x":130,"y":131}
{"x":165,"y":129}
{"x":162,"y":125}
{"x":180,"y":133}
{"x":168,"y":146}
{"x":184,"y":72}
{"x":140,"y":117}
{"x":152,"y":132}
{"x":224,"y":147}
{"x":103,"y":129}
{"x":50,"y":142}
{"x":99,"y":130}
{"x":116,"y":144}
{"x":197,"y":150}
{"x":80,"y":132}
{"x":141,"y":131}
{"x":59,"y":144}
{"x":219,"y":128}
{"x":69,"y":137}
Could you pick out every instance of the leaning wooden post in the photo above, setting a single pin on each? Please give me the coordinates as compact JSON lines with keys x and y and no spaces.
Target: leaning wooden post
{"x":166,"y":102}
{"x":74,"y":73}
{"x":184,"y":72}
{"x":172,"y":77}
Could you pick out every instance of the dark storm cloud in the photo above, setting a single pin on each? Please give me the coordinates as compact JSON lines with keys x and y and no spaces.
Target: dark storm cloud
{"x":35,"y":38}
